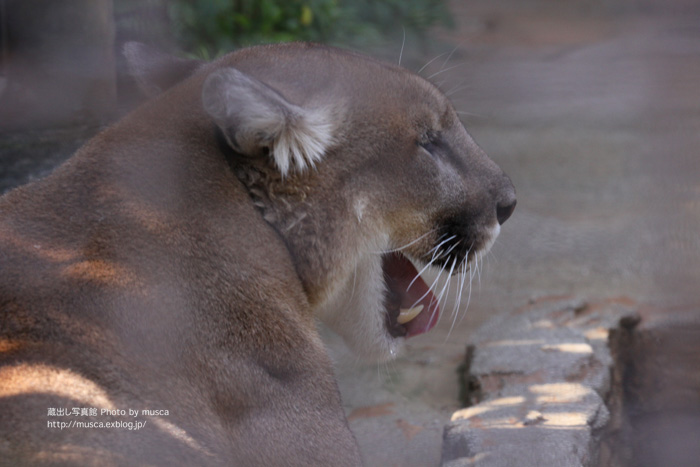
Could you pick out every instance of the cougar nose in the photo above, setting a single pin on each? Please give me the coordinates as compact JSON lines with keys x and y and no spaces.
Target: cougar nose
{"x":505,"y":208}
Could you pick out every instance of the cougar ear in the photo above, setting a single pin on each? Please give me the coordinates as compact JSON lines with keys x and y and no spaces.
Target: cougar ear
{"x":254,"y":117}
{"x":155,"y":71}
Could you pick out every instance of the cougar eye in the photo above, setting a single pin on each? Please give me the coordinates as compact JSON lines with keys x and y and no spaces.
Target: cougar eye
{"x":429,"y":146}
{"x":430,"y":142}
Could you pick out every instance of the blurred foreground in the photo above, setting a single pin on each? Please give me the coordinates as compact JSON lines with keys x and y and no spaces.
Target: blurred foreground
{"x":593,"y":109}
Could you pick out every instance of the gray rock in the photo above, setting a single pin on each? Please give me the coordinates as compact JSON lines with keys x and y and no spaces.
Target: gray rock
{"x":542,"y":375}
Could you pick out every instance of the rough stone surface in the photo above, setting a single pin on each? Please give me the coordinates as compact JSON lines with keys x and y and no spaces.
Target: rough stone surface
{"x":541,"y":377}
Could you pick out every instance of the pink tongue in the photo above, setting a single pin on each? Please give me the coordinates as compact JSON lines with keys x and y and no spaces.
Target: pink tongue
{"x":400,"y":274}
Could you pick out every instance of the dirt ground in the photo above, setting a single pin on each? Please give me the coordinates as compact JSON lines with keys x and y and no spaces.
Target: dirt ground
{"x":593,"y":109}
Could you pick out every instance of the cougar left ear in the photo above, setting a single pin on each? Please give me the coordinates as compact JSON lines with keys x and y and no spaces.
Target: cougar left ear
{"x":155,"y":71}
{"x":255,"y":117}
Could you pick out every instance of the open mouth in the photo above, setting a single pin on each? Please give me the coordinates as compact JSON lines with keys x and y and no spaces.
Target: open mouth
{"x":411,"y":308}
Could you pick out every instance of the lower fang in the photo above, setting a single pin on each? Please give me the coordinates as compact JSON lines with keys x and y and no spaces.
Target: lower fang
{"x":406,"y":315}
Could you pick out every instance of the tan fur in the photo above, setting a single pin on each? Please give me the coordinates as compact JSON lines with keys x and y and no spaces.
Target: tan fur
{"x":160,"y":269}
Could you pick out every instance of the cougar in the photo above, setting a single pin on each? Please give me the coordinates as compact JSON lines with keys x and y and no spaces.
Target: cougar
{"x":160,"y":291}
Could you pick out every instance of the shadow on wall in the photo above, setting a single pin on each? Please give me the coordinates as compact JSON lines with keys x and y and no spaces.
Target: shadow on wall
{"x":58,"y":82}
{"x":57,"y":63}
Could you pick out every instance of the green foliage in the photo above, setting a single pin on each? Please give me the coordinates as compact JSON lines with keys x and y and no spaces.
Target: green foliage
{"x":210,"y":27}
